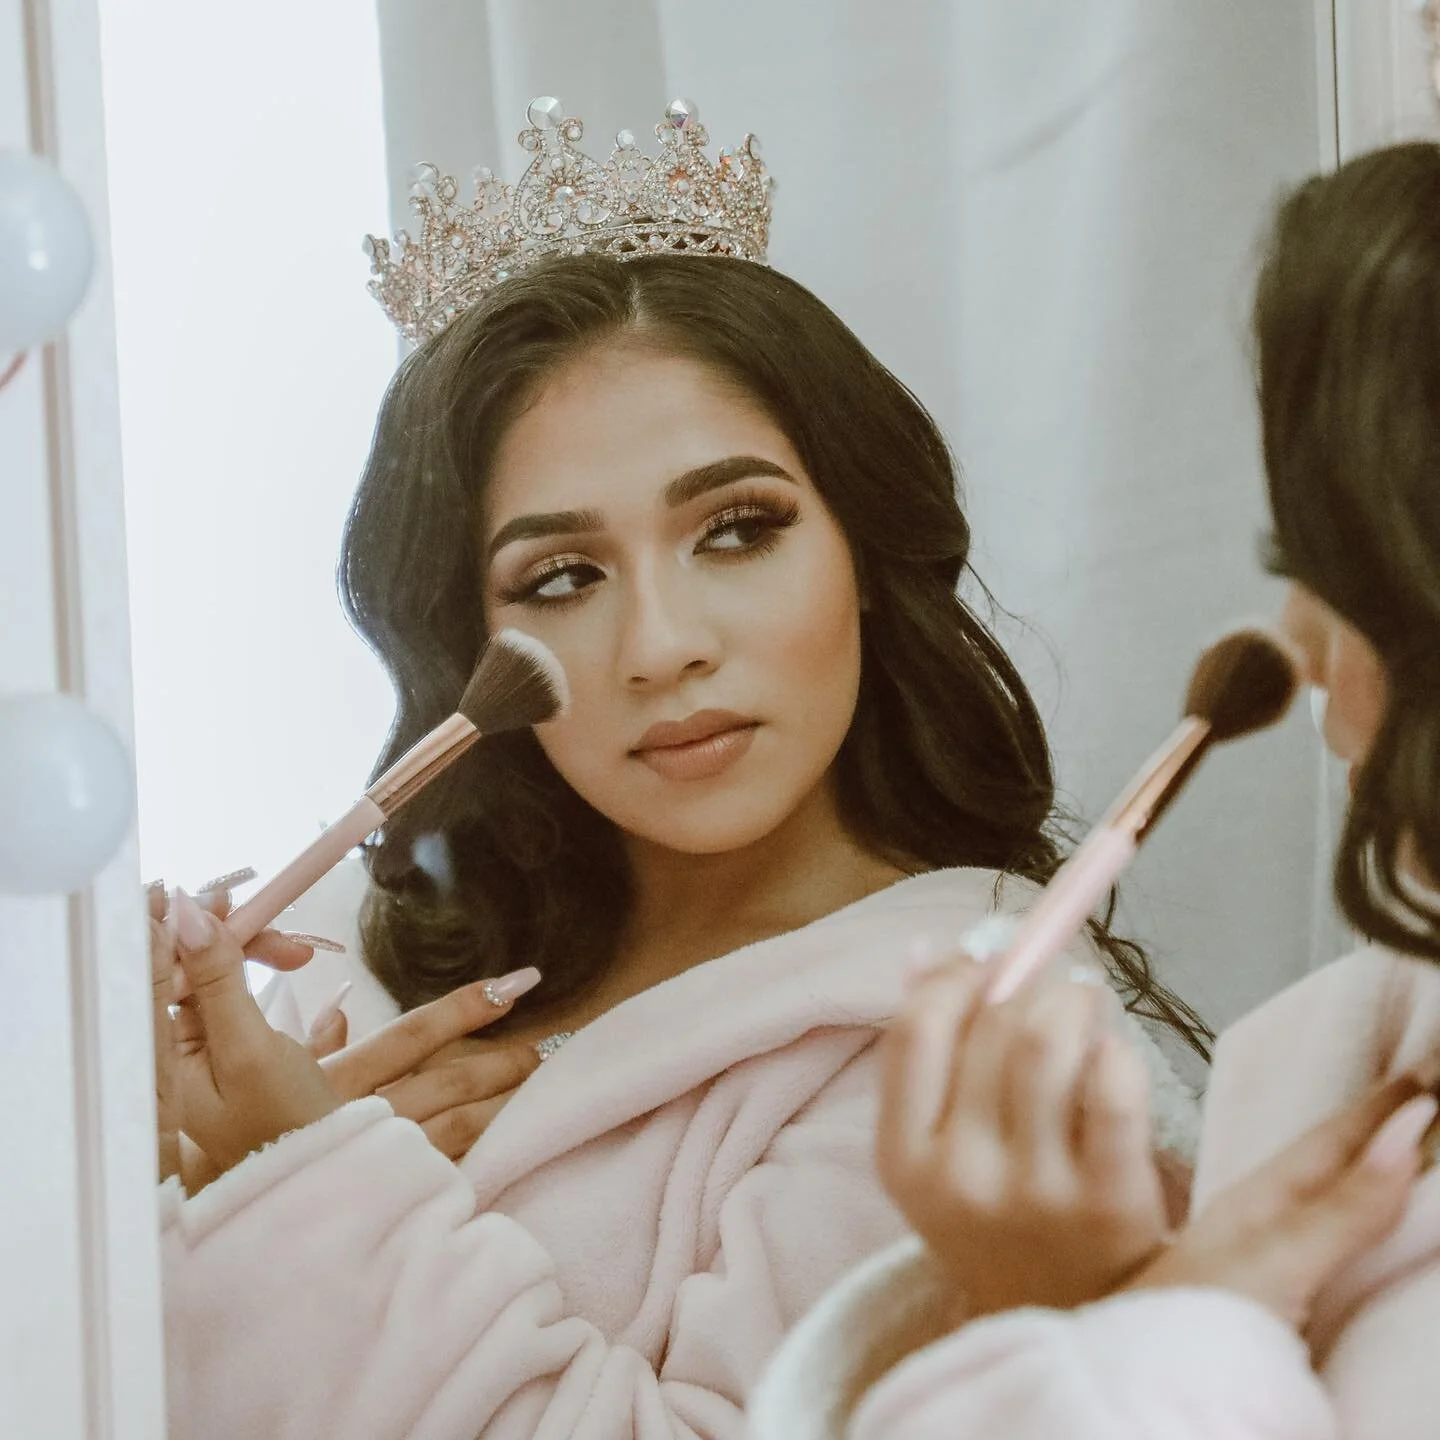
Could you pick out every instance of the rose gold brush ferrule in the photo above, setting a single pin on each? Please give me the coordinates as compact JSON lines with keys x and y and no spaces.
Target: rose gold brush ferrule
{"x":1157,"y":784}
{"x":422,"y":762}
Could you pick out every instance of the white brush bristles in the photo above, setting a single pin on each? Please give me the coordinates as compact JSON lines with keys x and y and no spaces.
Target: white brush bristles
{"x":517,"y":683}
{"x":544,"y":657}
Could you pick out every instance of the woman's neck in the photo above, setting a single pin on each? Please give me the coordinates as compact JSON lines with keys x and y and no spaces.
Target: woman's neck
{"x":692,"y":908}
{"x":688,"y":908}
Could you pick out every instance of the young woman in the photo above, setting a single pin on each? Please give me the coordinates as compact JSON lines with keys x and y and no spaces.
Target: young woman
{"x":1297,"y":1303}
{"x":791,"y":753}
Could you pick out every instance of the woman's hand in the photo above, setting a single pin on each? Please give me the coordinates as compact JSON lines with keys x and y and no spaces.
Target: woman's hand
{"x":178,"y":1155}
{"x":162,"y":990}
{"x":275,"y":948}
{"x":452,"y":1096}
{"x":424,"y":1066}
{"x":422,"y":1063}
{"x":228,"y":1079}
{"x":1016,"y":1139}
{"x":1282,"y":1233}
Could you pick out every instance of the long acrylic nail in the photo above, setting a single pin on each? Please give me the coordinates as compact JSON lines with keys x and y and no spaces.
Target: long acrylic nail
{"x":242,"y":876}
{"x":1394,"y":1144}
{"x":330,"y":1013}
{"x":509,"y":988}
{"x":315,"y":942}
{"x":194,"y":929}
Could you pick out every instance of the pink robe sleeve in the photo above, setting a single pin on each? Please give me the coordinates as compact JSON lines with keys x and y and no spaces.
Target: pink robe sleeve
{"x":341,"y":1283}
{"x":1153,"y":1365}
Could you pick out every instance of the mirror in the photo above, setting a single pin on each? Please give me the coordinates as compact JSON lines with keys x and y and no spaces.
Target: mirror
{"x":1042,"y":218}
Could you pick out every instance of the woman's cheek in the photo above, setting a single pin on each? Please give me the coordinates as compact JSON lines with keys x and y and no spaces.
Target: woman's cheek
{"x":1358,"y":696}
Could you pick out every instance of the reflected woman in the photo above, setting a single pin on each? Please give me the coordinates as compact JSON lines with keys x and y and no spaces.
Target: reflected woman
{"x":792,"y":753}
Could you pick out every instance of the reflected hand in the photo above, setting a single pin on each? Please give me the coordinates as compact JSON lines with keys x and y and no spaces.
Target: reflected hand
{"x":1016,"y":1139}
{"x":270,"y":947}
{"x":237,"y":1082}
{"x":162,"y":989}
{"x":1282,"y":1233}
{"x":413,"y":1063}
{"x":178,"y":1154}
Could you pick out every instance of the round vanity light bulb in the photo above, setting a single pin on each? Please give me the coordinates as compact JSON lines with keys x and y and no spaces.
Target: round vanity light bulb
{"x":46,"y":251}
{"x":67,"y":794}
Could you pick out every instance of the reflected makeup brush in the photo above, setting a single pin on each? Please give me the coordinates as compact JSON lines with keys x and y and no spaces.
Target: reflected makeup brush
{"x":517,"y":683}
{"x":1243,"y":683}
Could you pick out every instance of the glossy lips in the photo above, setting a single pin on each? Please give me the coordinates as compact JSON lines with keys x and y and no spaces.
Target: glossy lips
{"x":698,"y":747}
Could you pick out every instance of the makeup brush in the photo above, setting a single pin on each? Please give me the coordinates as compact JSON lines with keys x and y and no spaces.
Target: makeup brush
{"x":517,"y":683}
{"x":1243,"y":683}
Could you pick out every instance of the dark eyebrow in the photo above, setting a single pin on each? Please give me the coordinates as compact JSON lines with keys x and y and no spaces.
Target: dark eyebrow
{"x":694,"y":483}
{"x":538,"y":527}
{"x":680,"y":491}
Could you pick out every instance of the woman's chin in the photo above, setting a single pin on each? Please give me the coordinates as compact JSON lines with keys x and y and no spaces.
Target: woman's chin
{"x":699,"y":840}
{"x":708,"y":825}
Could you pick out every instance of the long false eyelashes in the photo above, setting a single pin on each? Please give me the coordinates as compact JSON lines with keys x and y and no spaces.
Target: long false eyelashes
{"x":771,"y":515}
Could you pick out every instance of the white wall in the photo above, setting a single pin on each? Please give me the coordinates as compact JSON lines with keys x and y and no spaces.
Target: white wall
{"x":246,"y":164}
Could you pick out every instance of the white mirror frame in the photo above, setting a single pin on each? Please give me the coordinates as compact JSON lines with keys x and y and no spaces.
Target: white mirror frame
{"x":1384,"y":91}
{"x":81,"y":1350}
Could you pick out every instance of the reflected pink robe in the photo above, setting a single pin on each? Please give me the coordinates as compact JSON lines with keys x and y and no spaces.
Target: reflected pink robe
{"x":620,"y":1253}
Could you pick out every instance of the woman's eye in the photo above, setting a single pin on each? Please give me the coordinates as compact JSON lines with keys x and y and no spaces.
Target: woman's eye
{"x":563,"y":582}
{"x":739,"y":534}
{"x":747,"y":531}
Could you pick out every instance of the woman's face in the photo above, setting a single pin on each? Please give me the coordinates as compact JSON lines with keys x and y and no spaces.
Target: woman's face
{"x":1339,"y":660}
{"x":651,"y":524}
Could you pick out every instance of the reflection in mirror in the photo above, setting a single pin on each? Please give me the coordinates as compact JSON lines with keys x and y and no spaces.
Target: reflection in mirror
{"x":793,"y":757}
{"x":249,"y":378}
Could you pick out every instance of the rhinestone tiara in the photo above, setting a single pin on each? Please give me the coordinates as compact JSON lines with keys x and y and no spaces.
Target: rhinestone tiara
{"x":677,"y":202}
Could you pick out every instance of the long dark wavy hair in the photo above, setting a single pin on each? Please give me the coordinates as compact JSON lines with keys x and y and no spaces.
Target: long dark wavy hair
{"x":1347,"y":337}
{"x":946,"y":761}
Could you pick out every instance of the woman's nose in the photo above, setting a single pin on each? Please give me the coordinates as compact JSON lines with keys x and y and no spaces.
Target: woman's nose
{"x":668,"y":631}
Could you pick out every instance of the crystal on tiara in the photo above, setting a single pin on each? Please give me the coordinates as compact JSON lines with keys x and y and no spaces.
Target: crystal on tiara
{"x":566,"y":203}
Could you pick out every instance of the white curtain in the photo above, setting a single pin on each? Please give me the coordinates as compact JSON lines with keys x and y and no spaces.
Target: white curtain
{"x":1043,"y":216}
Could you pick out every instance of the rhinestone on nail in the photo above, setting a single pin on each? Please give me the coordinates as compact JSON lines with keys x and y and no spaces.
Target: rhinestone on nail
{"x":551,"y":1043}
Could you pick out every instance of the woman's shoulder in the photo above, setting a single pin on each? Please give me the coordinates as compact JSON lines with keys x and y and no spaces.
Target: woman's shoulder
{"x":1373,"y":1009}
{"x":964,"y":893}
{"x":1310,"y":1050}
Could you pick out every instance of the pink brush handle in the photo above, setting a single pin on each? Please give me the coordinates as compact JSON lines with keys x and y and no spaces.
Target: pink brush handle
{"x":1070,"y":897}
{"x":363,"y":818}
